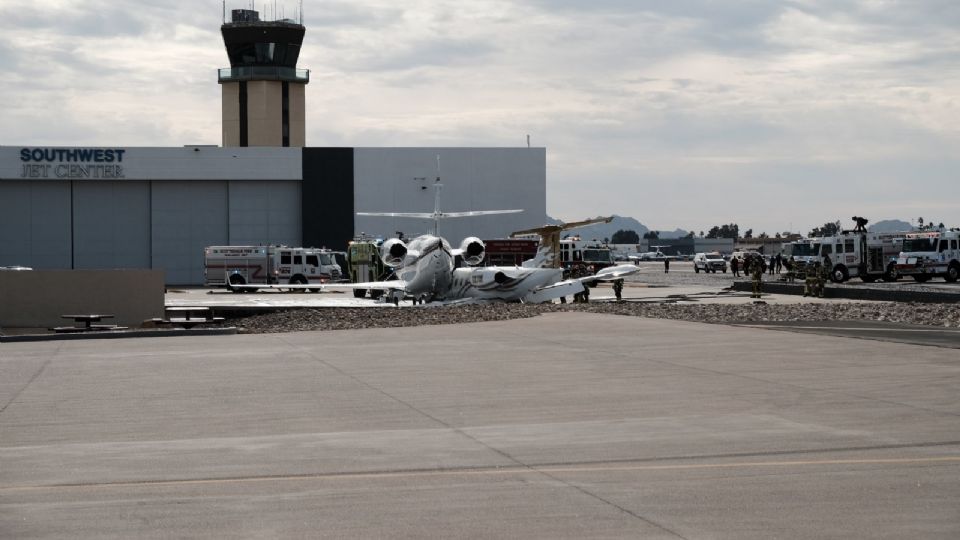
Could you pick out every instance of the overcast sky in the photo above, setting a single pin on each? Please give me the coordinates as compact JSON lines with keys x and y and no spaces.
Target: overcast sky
{"x":681,"y":113}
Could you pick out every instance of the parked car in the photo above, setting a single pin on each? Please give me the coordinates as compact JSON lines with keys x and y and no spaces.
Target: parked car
{"x":709,"y":262}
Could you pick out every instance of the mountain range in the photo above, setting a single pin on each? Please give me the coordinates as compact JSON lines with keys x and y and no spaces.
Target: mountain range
{"x":599,"y":231}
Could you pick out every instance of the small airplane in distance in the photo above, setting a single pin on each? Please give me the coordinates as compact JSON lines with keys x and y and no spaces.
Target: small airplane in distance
{"x":656,"y":255}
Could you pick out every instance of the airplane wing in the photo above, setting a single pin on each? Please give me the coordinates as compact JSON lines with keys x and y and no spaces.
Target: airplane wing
{"x":392,"y":285}
{"x":612,"y":273}
{"x":420,"y":215}
{"x":553,"y":291}
{"x":562,"y":227}
{"x":441,"y":215}
{"x":476,"y":213}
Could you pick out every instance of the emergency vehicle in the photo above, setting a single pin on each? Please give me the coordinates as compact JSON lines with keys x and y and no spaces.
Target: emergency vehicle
{"x":269,"y":266}
{"x":867,"y":255}
{"x":364,"y":263}
{"x":509,"y":251}
{"x":581,"y":258}
{"x":931,"y":253}
{"x":801,"y":255}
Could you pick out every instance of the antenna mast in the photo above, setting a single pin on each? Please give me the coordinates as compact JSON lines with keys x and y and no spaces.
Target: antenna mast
{"x":436,"y":200}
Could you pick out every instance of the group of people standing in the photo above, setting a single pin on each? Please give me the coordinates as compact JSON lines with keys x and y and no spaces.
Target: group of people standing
{"x":816,"y":277}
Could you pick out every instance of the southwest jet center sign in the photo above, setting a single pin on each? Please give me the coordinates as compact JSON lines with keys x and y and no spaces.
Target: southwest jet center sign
{"x":120,"y":164}
{"x":72,"y":163}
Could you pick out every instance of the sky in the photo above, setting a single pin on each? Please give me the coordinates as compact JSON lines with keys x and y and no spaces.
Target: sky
{"x":775,"y":115}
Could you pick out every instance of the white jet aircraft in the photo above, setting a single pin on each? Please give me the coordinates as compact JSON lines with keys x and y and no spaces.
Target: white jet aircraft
{"x":425,"y":268}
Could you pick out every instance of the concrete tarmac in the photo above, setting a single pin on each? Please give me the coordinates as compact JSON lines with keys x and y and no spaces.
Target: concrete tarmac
{"x":569,"y":425}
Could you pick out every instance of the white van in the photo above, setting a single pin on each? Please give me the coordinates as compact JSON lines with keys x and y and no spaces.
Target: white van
{"x":709,"y":262}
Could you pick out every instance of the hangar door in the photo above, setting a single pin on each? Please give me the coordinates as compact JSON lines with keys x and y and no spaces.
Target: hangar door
{"x":111,"y":225}
{"x":265,"y":212}
{"x":186,"y":217}
{"x":35,"y":224}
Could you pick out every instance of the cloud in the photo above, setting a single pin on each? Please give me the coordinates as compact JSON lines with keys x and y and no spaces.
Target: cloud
{"x":688,"y":113}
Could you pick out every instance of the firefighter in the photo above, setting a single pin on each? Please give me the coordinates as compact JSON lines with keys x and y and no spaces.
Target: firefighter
{"x":582,"y":297}
{"x":811,"y":279}
{"x":618,"y":289}
{"x":825,"y":268}
{"x":757,"y":267}
{"x":788,"y":264}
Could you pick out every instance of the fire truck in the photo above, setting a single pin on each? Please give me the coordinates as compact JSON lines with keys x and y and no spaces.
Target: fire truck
{"x":242,"y":267}
{"x":931,"y":253}
{"x":581,"y":258}
{"x":365,"y":264}
{"x":801,"y":255}
{"x":867,"y":255}
{"x":509,"y":251}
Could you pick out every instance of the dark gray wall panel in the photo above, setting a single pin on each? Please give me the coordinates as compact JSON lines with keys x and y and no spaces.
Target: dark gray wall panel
{"x":327,"y":197}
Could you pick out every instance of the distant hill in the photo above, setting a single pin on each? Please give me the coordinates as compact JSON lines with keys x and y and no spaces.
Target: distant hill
{"x":676,"y":233}
{"x":890,"y":225}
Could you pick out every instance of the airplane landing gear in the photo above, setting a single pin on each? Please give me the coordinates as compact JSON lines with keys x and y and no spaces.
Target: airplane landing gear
{"x":395,"y":297}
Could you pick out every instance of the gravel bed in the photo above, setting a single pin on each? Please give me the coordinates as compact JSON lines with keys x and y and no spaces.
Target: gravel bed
{"x":941,"y":315}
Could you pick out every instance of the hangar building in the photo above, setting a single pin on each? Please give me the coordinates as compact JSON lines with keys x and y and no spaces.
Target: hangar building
{"x":139,"y":207}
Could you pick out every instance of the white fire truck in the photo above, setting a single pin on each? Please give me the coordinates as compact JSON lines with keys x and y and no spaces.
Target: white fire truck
{"x":253,"y":267}
{"x":867,"y":255}
{"x":931,"y":253}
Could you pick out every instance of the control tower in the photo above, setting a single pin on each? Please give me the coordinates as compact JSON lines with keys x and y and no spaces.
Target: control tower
{"x":263,"y":91}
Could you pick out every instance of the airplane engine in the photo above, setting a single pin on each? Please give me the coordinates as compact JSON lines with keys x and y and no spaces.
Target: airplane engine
{"x":392,"y":252}
{"x":472,"y":250}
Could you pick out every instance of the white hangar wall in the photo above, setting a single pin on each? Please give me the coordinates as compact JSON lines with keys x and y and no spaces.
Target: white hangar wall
{"x":401,"y":180}
{"x":101,"y":208}
{"x":145,"y":207}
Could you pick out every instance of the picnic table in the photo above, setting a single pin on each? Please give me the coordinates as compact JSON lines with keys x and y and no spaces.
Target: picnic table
{"x":191,"y":316}
{"x":88,"y":320}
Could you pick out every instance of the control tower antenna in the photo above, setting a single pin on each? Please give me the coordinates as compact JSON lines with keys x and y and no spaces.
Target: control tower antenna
{"x":263,"y":90}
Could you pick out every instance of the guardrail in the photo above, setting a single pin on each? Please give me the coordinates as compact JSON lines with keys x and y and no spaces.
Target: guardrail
{"x":263,"y":73}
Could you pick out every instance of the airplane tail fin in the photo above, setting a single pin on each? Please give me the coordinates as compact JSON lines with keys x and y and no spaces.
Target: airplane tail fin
{"x":548,"y":254}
